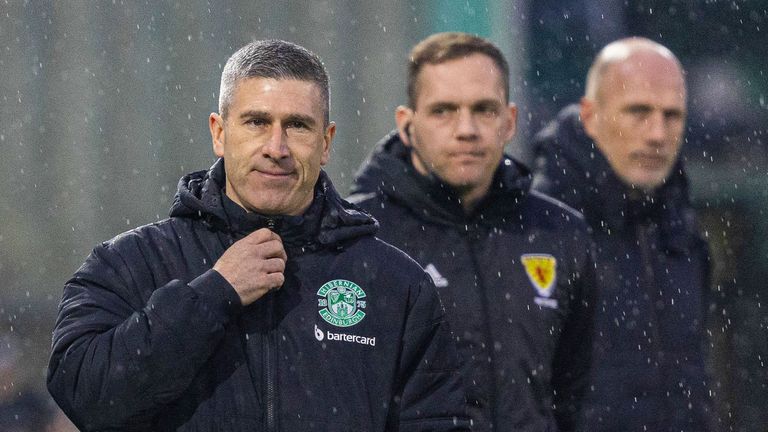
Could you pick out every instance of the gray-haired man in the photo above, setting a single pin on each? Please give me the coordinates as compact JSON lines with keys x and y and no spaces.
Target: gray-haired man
{"x":264,"y":302}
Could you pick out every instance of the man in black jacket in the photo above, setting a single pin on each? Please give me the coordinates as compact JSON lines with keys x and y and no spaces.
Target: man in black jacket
{"x":264,"y":302}
{"x":513,"y":266}
{"x":615,"y":158}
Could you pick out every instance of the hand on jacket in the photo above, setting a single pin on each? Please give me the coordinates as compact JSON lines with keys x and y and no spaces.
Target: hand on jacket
{"x":254,"y":265}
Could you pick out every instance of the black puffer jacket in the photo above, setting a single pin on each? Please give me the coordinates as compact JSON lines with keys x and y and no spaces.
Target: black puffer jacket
{"x":149,"y":338}
{"x":522,"y":330}
{"x":648,"y":369}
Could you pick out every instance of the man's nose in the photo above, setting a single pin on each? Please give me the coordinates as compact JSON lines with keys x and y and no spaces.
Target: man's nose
{"x":276,"y":146}
{"x":656,"y":128}
{"x":466,"y":126}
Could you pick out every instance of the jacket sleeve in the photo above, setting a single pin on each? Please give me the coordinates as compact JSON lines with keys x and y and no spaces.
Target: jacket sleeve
{"x":432,"y":392}
{"x":122,"y":349}
{"x":573,"y":358}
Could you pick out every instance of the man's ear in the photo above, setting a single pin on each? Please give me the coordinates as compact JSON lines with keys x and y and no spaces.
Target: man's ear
{"x":216,"y":125}
{"x":588,"y":115}
{"x":403,"y":120}
{"x":512,"y":122}
{"x":330,"y":132}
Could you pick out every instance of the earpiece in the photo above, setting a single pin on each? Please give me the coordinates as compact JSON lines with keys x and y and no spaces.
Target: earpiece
{"x":407,"y":130}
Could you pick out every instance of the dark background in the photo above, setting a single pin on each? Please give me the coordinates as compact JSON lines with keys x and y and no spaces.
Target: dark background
{"x":104,"y":105}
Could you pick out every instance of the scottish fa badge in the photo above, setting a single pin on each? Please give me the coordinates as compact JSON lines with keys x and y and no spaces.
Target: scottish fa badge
{"x":341,"y":302}
{"x":541,"y":272}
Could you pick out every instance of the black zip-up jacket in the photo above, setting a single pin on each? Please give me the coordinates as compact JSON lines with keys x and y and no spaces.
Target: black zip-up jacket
{"x":150,"y":338}
{"x":649,"y":355}
{"x":521,"y":328}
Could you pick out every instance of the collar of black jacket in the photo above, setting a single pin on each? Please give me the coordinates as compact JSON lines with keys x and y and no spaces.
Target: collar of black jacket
{"x":389,"y":171}
{"x":608,"y":203}
{"x":328,"y":221}
{"x":295,"y":231}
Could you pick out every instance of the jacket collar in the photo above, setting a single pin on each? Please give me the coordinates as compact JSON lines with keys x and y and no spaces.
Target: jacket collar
{"x":328,"y":221}
{"x":389,"y":172}
{"x":606,"y":201}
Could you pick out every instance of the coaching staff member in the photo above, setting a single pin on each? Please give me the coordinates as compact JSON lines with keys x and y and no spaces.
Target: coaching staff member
{"x":264,"y":302}
{"x":615,"y":157}
{"x":512,"y":265}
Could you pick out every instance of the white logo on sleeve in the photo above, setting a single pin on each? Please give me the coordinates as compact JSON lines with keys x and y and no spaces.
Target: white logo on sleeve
{"x":437,"y":278}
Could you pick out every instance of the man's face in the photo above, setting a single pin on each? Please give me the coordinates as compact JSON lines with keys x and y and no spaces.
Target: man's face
{"x":273,"y":142}
{"x":459,"y":124}
{"x":638,"y":118}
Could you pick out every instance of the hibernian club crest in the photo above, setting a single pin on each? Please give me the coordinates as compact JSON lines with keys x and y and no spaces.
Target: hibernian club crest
{"x":341,"y":302}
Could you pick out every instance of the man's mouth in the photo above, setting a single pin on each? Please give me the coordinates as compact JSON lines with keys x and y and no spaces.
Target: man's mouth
{"x":273,"y":173}
{"x":653,"y":161}
{"x":468,"y":155}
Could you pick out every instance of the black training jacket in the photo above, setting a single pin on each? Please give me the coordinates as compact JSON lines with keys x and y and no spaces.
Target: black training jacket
{"x":149,"y":338}
{"x":515,"y":277}
{"x":649,"y":354}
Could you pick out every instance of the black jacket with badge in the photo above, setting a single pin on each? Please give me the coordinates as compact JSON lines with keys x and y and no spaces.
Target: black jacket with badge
{"x":515,"y":278}
{"x":649,"y":353}
{"x":149,"y":338}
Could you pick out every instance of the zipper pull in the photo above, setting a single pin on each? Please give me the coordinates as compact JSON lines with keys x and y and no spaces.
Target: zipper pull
{"x":271,"y":224}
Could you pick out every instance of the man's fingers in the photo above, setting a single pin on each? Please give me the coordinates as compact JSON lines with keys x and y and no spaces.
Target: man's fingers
{"x":263,"y":235}
{"x":269,"y":244}
{"x":274,"y":265}
{"x":274,"y":280}
{"x":254,"y":265}
{"x":273,"y":249}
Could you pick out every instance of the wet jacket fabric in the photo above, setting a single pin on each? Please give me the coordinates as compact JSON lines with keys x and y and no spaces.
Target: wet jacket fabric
{"x":514,"y":277}
{"x":150,"y":338}
{"x":649,"y":353}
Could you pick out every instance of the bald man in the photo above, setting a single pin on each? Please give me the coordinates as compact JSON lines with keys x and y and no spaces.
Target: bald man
{"x":615,"y":157}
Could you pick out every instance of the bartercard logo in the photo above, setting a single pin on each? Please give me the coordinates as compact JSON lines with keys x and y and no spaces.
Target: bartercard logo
{"x":344,"y":337}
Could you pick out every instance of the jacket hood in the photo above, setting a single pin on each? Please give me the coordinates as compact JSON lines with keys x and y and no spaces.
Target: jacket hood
{"x":329,"y":220}
{"x":603,"y":193}
{"x":389,"y":172}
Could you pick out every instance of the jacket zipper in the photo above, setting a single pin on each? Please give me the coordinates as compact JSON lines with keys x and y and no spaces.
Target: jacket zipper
{"x":486,"y":325}
{"x":270,"y":349}
{"x":270,"y":354}
{"x":649,"y":278}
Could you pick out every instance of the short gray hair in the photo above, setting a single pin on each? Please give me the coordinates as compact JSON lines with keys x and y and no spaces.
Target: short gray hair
{"x":276,"y":59}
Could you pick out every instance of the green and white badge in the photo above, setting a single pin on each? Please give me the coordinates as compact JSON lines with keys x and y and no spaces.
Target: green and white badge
{"x":341,"y":302}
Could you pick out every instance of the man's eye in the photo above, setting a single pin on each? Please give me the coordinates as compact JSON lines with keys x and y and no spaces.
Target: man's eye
{"x":296,"y":125}
{"x":486,"y":110}
{"x":257,"y":122}
{"x":639,"y":111}
{"x":442,"y":111}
